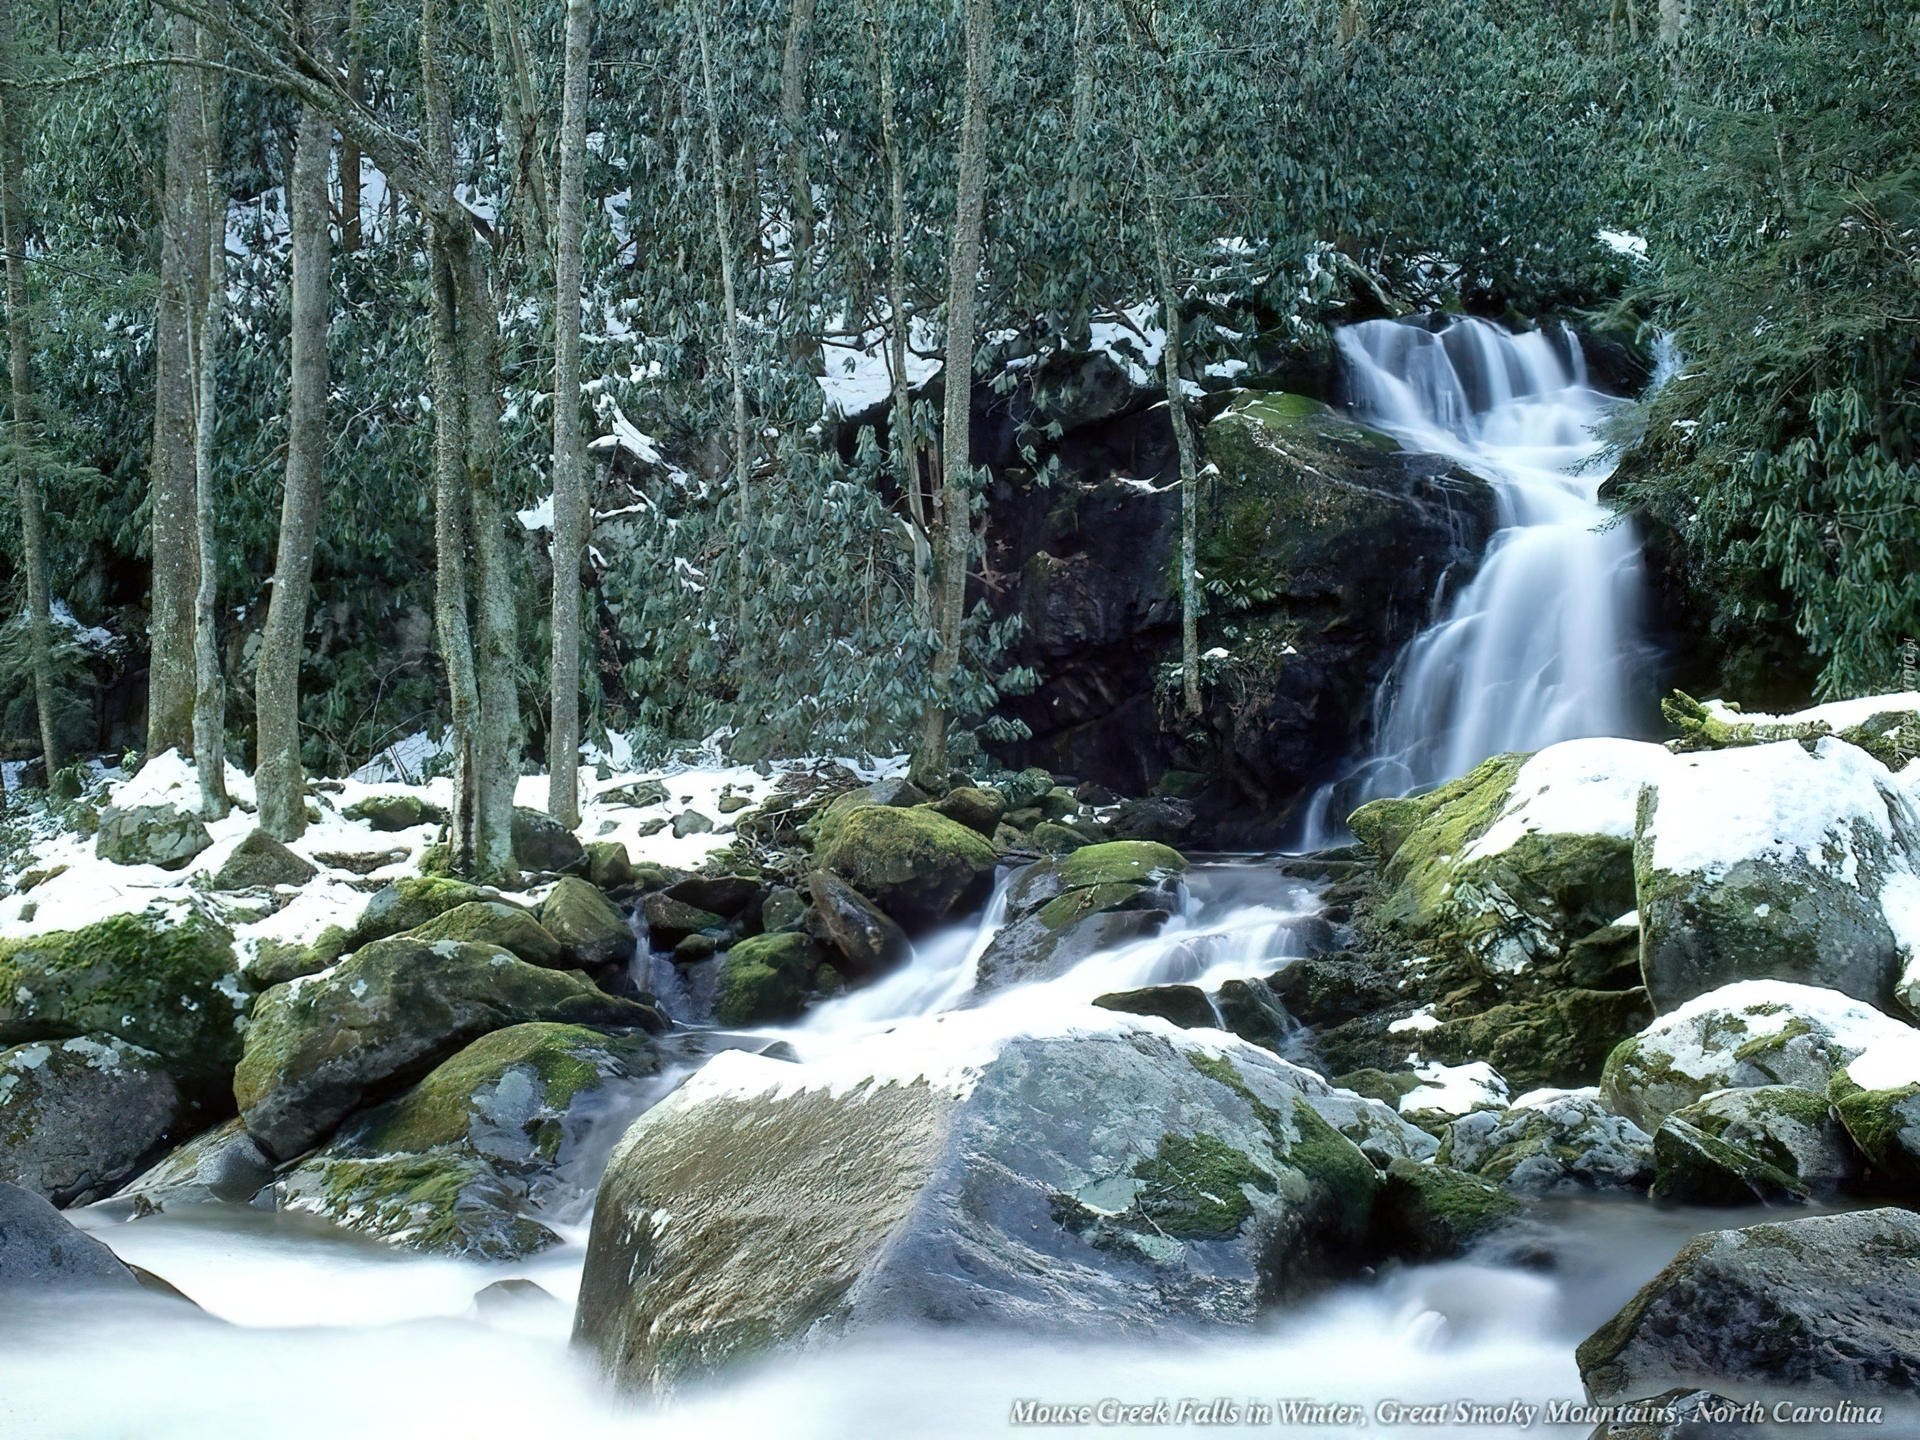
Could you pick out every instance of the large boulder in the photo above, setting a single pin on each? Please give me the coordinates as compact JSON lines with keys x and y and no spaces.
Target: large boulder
{"x":917,"y":865}
{"x":78,"y":1116}
{"x":261,"y":860}
{"x":974,"y":807}
{"x":481,"y":1157}
{"x":541,"y":842}
{"x":1062,"y":910}
{"x":864,"y":934}
{"x":586,"y":925}
{"x":1773,"y":861}
{"x":1432,"y":1212}
{"x":1552,"y":1142}
{"x":162,"y":980}
{"x":408,"y":903}
{"x":1751,"y":1033}
{"x":320,"y":1047}
{"x":150,"y":835}
{"x":1770,"y":1144}
{"x":1329,"y":538}
{"x":1092,"y":1184}
{"x":1876,"y":1095}
{"x":1829,"y":1303}
{"x":41,"y":1250}
{"x":493,"y":922}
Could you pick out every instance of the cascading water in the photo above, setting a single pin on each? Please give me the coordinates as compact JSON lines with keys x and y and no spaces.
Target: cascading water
{"x":1543,"y":644}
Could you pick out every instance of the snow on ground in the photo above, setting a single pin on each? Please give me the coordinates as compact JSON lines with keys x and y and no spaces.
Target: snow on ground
{"x":90,"y":889}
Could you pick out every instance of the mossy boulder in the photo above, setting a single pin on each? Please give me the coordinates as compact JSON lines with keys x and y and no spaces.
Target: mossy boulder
{"x":321,"y":1047}
{"x":1830,"y":1302}
{"x":669,"y":921}
{"x":150,"y":835}
{"x":1769,"y":862}
{"x":475,"y":1159}
{"x":1767,"y":1144}
{"x":1050,"y":838}
{"x":275,"y":962}
{"x":542,"y":843}
{"x":1025,"y":1198}
{"x":764,"y":980}
{"x":79,"y":1116}
{"x":493,"y":922}
{"x":1877,"y":1097}
{"x":389,"y":813}
{"x":868,"y":940}
{"x":165,"y":982}
{"x":1433,"y":1212}
{"x":1185,"y":1005}
{"x":724,"y":895}
{"x":1752,"y":1033}
{"x":918,"y":866}
{"x":260,"y":860}
{"x":1551,"y":1142}
{"x":587,"y":926}
{"x":1061,"y":910}
{"x":608,"y":865}
{"x":408,"y":903}
{"x":976,"y":808}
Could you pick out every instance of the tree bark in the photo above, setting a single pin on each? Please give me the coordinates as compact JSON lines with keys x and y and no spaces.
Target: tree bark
{"x":906,"y":457}
{"x":183,"y":284}
{"x":953,"y":505}
{"x":793,"y":117}
{"x":33,"y":530}
{"x":349,"y":149}
{"x":569,"y":460}
{"x":209,"y":686}
{"x":522,"y":113}
{"x":736,"y":363}
{"x":279,"y":778}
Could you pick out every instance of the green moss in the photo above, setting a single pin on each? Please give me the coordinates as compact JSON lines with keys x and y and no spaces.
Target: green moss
{"x":765,"y":980}
{"x":1885,"y":1124}
{"x":442,"y":1202}
{"x":1192,"y":1187}
{"x":1120,"y":862}
{"x":491,"y":922}
{"x":1329,"y":1158}
{"x":1064,"y":910}
{"x":408,"y":903}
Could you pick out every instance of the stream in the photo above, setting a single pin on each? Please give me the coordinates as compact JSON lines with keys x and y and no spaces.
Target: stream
{"x":329,"y":1333}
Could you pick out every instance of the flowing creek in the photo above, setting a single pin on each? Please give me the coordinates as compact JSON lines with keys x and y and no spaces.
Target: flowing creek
{"x":331,"y":1334}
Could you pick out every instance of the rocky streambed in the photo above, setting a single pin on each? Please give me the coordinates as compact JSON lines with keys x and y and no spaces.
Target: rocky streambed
{"x":1587,"y":1079}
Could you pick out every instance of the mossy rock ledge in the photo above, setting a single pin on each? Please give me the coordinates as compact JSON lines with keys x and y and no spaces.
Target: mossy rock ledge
{"x":321,"y":1047}
{"x":1029,"y":1202}
{"x":918,"y":866}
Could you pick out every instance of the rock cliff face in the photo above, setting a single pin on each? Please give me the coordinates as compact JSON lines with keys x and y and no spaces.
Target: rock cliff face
{"x":1322,"y":545}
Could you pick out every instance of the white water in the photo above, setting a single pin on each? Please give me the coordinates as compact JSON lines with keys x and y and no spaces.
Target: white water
{"x":1543,"y":644}
{"x":330,"y":1333}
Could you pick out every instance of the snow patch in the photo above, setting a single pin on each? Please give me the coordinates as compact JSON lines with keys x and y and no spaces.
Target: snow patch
{"x":1578,"y":787}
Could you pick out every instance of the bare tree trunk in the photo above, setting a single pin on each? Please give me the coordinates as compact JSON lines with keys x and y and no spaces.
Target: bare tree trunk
{"x":905,"y":453}
{"x":349,"y":149}
{"x":736,"y":363}
{"x":183,"y":280}
{"x":1082,"y":111}
{"x":33,"y":530}
{"x":209,"y":691}
{"x":279,"y":777}
{"x":793,"y":116}
{"x":953,"y":505}
{"x":569,"y":460}
{"x":522,"y":113}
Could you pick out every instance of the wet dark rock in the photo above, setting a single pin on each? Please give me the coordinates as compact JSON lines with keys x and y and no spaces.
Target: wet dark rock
{"x":669,"y":921}
{"x":542,"y":843}
{"x":41,"y":1250}
{"x":724,"y":895}
{"x":864,"y":934}
{"x":1432,"y":1212}
{"x":1251,"y":1010}
{"x":77,"y":1117}
{"x":1185,"y":1005}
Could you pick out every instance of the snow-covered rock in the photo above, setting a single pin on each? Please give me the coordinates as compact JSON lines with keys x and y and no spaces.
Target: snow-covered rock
{"x":1552,"y":1141}
{"x":1877,"y":1097}
{"x":1771,"y":1143}
{"x":1750,"y":1033}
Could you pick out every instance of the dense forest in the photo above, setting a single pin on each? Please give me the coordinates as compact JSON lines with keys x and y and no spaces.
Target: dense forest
{"x":292,"y":476}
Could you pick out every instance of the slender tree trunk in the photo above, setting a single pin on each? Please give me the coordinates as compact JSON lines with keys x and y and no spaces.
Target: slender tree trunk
{"x":905,"y":453}
{"x":736,"y":363}
{"x":793,"y":117}
{"x":953,"y":506}
{"x":451,"y":519}
{"x":1082,"y":111}
{"x":210,"y":692}
{"x":183,"y":280}
{"x":569,"y":460}
{"x":279,"y":777}
{"x":515,"y":85}
{"x":33,"y":530}
{"x":1183,"y":442}
{"x":349,"y":150}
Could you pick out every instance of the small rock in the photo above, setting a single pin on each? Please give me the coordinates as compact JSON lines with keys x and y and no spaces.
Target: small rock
{"x":782,"y":909}
{"x":224,"y":1163}
{"x":977,"y":809}
{"x":1095,"y":794}
{"x":728,"y":804}
{"x":650,"y":827}
{"x":508,"y":1298}
{"x":858,"y":928}
{"x":690,"y":822}
{"x":388,"y":813}
{"x":1023,"y":789}
{"x":608,"y":865}
{"x":1552,"y":1142}
{"x":1830,"y":1301}
{"x":1682,"y":1413}
{"x":260,"y":860}
{"x":694,"y":949}
{"x":1185,"y":1005}
{"x":150,"y":835}
{"x":638,"y":795}
{"x":541,"y":842}
{"x":40,"y":1249}
{"x":586,"y":925}
{"x":724,"y":895}
{"x":1876,"y":1096}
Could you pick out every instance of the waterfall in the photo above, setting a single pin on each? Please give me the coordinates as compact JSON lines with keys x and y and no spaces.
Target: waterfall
{"x":1543,"y":644}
